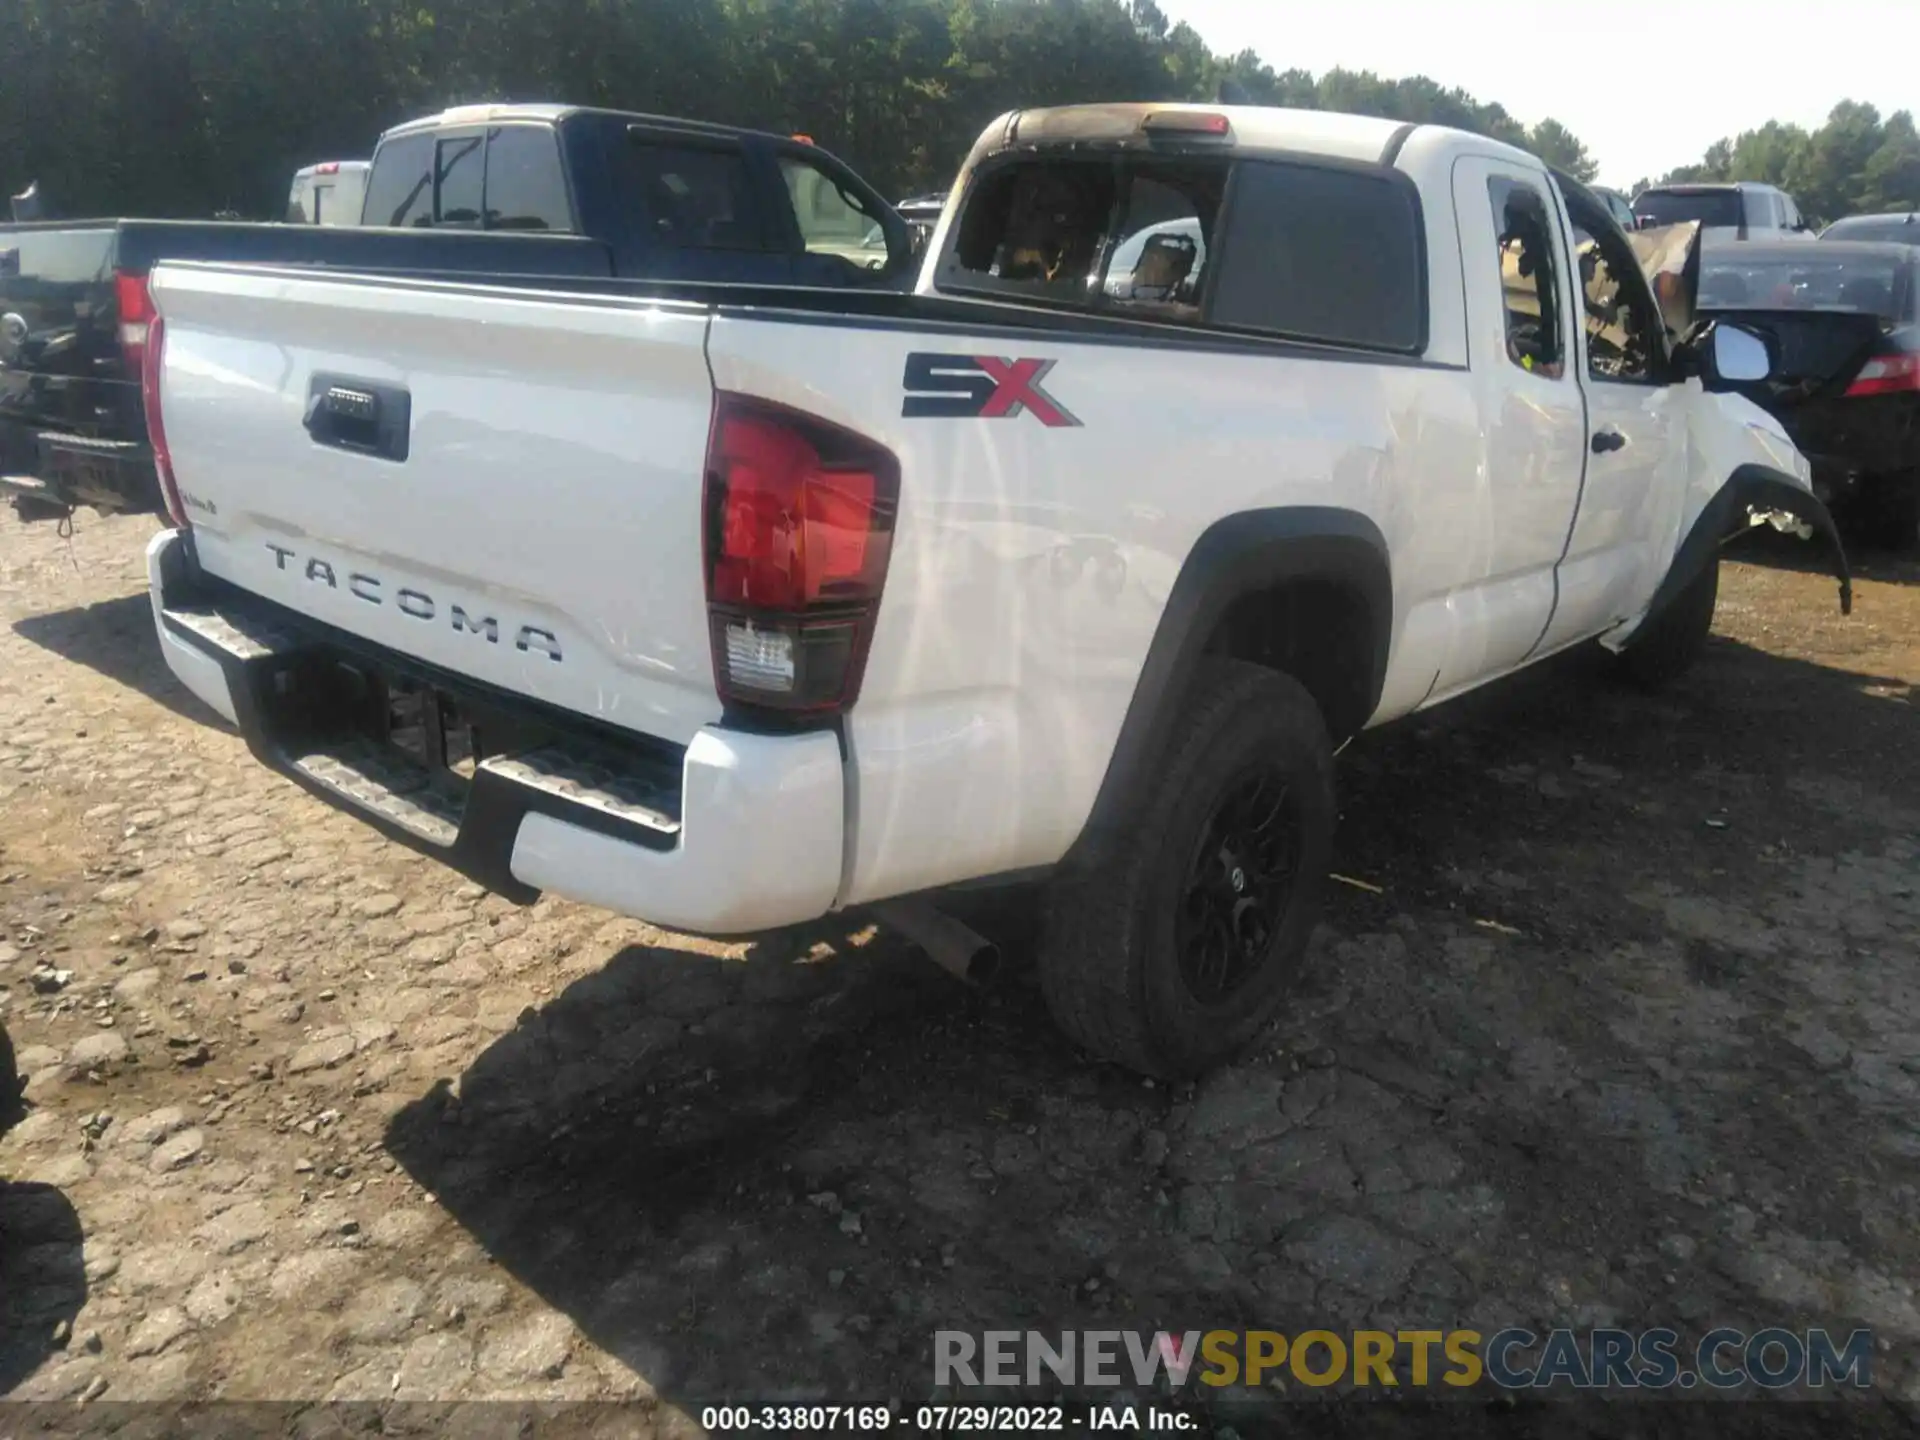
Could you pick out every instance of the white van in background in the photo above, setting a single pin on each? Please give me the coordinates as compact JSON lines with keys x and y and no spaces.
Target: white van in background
{"x":329,"y":194}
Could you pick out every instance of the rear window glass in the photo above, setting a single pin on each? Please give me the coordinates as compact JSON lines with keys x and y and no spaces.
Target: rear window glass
{"x":1036,"y":229}
{"x":690,"y":196}
{"x":1129,"y":239}
{"x":1316,"y":253}
{"x":400,"y":189}
{"x":1878,"y":286}
{"x":1675,"y":207}
{"x":1324,"y":254}
{"x":1159,"y":258}
{"x":525,"y":187}
{"x":458,"y":175}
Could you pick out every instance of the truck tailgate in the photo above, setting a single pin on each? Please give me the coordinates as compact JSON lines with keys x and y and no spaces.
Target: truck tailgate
{"x":504,"y":484}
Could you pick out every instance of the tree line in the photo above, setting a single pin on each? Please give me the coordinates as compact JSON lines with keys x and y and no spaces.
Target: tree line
{"x":1854,"y":164}
{"x":192,"y":107}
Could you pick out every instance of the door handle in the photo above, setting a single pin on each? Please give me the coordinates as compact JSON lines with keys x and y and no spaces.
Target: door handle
{"x":357,"y":415}
{"x":1605,"y":440}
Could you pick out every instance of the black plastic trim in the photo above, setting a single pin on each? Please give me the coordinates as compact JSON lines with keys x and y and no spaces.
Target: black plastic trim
{"x":1396,"y":142}
{"x":490,"y":823}
{"x":1237,"y":556}
{"x":1724,"y":518}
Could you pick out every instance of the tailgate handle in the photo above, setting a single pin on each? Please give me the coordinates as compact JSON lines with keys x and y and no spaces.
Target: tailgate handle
{"x":359,"y":416}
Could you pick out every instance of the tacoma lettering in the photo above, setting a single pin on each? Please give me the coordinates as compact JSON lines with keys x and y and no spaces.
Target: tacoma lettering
{"x":417,"y":604}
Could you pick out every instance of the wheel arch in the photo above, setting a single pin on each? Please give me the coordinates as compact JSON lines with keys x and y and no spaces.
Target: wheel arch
{"x":1245,"y":589}
{"x":1750,"y":488}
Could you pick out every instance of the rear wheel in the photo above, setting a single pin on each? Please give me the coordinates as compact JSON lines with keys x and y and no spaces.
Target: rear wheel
{"x":1180,"y":944}
{"x":1666,"y":648}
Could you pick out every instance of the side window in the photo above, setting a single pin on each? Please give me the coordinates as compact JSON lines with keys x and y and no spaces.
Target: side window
{"x":526,"y":189}
{"x":1527,"y":277}
{"x":1159,"y":256}
{"x":400,"y":187}
{"x":689,"y":196}
{"x":458,"y":180}
{"x":1617,"y":312}
{"x":1323,"y":253}
{"x":831,"y":221}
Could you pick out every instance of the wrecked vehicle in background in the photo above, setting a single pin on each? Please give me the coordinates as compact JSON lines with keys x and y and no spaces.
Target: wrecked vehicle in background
{"x":1843,"y":321}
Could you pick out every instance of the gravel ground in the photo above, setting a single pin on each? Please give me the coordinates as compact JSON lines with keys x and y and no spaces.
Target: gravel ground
{"x":1622,"y":1026}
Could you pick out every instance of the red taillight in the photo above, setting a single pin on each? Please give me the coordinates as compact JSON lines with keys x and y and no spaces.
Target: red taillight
{"x":156,"y":344}
{"x":332,"y":167}
{"x":1887,"y":375}
{"x":799,"y":525}
{"x":136,"y":314}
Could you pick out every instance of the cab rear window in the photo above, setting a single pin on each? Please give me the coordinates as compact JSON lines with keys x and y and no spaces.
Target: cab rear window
{"x":1331,"y":254}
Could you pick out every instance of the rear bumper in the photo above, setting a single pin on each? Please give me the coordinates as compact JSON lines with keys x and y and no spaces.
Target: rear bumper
{"x":738,"y":833}
{"x":113,"y":476}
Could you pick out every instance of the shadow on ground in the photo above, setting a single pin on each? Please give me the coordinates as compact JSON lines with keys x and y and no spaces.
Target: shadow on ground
{"x":778,"y":1178}
{"x":43,"y":1282}
{"x":115,"y":638}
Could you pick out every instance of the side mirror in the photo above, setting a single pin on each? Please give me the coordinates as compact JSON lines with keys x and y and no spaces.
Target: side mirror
{"x":1736,"y":356}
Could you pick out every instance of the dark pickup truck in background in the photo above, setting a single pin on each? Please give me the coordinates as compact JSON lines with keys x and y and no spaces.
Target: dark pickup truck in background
{"x":506,"y":191}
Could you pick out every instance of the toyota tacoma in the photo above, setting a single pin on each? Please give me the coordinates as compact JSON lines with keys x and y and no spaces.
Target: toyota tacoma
{"x":730,"y":608}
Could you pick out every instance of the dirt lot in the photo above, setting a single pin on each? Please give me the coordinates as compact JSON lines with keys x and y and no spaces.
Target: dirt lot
{"x":1624,"y":1028}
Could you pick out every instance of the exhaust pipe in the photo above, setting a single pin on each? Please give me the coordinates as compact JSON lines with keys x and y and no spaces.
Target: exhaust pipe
{"x":959,"y":951}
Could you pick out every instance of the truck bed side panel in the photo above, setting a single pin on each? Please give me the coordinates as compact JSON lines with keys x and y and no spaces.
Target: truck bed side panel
{"x":1032,"y":562}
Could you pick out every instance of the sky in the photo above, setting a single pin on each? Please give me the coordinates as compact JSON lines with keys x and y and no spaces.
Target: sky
{"x":1616,"y":74}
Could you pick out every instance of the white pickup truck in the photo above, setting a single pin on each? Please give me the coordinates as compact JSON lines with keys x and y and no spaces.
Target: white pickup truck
{"x":729,"y":608}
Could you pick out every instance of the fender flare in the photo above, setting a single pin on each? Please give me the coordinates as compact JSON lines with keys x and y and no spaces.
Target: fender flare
{"x":1724,"y":518}
{"x":1240,"y":555}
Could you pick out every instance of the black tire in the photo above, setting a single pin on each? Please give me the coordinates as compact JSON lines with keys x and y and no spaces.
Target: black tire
{"x":1665,"y":649}
{"x":1111,"y":957}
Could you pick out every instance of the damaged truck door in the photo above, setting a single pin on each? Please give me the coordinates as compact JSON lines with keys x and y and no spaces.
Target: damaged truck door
{"x":1678,"y":464}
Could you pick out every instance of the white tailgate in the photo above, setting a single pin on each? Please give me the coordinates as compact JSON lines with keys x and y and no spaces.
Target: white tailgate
{"x":551,"y":486}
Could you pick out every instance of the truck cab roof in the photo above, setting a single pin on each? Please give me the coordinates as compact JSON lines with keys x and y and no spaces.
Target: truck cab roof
{"x":1242,"y":129}
{"x":553,"y":114}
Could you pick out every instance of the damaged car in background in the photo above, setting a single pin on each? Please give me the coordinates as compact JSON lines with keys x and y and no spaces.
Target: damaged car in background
{"x":1843,"y":321}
